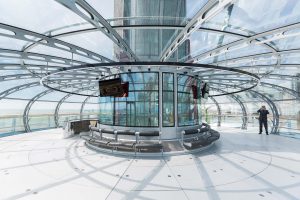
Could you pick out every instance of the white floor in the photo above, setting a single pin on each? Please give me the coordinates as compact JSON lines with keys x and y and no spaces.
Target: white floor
{"x":241,"y":165}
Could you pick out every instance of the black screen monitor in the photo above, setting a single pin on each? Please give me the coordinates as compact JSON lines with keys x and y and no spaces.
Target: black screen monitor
{"x":113,"y":88}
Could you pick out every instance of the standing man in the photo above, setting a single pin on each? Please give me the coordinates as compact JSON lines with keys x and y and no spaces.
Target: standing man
{"x":263,"y":119}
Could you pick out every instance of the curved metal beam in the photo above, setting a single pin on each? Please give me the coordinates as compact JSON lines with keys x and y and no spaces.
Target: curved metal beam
{"x":271,"y":104}
{"x":262,"y":67}
{"x":245,"y":115}
{"x":268,"y":76}
{"x":259,"y":55}
{"x":28,"y":107}
{"x":17,"y":77}
{"x":219,"y":110}
{"x":244,"y":110}
{"x":135,"y":27}
{"x":17,"y":88}
{"x":90,"y":75}
{"x":7,"y":53}
{"x":31,"y":102}
{"x":208,"y":11}
{"x":280,"y":31}
{"x":83,"y":104}
{"x":56,"y":119}
{"x":275,"y":128}
{"x":21,"y":87}
{"x":15,"y":66}
{"x":277,"y":53}
{"x":284,"y":89}
{"x":88,"y":13}
{"x":33,"y":37}
{"x":264,"y":84}
{"x":255,"y":78}
{"x":177,"y":27}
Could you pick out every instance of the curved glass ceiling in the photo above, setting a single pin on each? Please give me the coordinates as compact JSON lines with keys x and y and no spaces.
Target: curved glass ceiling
{"x":39,"y":37}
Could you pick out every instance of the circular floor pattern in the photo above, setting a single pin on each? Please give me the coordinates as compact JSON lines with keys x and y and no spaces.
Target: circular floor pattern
{"x":241,"y":165}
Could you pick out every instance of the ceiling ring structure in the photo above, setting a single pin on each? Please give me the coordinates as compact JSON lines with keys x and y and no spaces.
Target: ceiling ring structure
{"x":254,"y":78}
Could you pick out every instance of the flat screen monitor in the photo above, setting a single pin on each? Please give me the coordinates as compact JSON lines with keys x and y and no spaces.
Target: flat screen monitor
{"x":113,"y":88}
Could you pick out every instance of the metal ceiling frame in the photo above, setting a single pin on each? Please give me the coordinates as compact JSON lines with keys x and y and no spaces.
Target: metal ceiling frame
{"x":255,"y":78}
{"x":34,"y":99}
{"x":56,"y":118}
{"x":28,"y":107}
{"x":88,"y":13}
{"x":17,"y":77}
{"x":267,"y":76}
{"x":280,"y":53}
{"x":257,"y":55}
{"x":17,"y":88}
{"x":33,"y":37}
{"x":208,"y":11}
{"x":6,"y":53}
{"x":18,"y":66}
{"x":81,"y":8}
{"x":61,"y":101}
{"x":283,"y":89}
{"x":248,"y":40}
{"x":218,"y":109}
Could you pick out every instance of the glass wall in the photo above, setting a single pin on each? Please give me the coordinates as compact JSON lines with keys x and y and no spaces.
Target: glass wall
{"x":168,"y":111}
{"x":139,"y":109}
{"x":106,"y":105}
{"x":189,"y":109}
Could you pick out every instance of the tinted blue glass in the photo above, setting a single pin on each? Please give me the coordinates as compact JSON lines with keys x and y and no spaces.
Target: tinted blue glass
{"x":140,"y":108}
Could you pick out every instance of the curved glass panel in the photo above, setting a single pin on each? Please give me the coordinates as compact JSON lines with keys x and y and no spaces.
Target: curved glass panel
{"x":41,"y":115}
{"x":94,"y":41}
{"x":229,"y":39}
{"x":11,"y":116}
{"x":202,"y":41}
{"x":42,"y":15}
{"x":252,"y":17}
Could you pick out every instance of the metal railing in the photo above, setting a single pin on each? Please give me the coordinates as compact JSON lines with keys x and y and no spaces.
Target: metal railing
{"x":286,"y":123}
{"x":13,"y":124}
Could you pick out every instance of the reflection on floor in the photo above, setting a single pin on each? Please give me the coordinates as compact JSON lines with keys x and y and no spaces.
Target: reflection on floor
{"x":241,"y":165}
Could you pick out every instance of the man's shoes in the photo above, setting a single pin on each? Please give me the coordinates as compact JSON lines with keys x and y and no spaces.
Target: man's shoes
{"x":267,"y":133}
{"x":259,"y":133}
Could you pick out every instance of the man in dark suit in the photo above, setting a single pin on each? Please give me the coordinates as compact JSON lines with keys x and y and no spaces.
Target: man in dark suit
{"x":263,"y":119}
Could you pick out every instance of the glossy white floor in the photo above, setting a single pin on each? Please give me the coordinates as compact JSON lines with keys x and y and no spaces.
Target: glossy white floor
{"x":241,"y":165}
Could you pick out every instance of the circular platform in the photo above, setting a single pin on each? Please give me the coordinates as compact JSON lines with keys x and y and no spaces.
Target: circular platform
{"x":246,"y":165}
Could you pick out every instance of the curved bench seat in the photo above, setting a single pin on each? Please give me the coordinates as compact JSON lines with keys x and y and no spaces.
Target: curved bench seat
{"x":201,"y":141}
{"x":126,"y":132}
{"x":150,"y":146}
{"x":133,"y":144}
{"x":195,"y":138}
{"x":149,"y":133}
